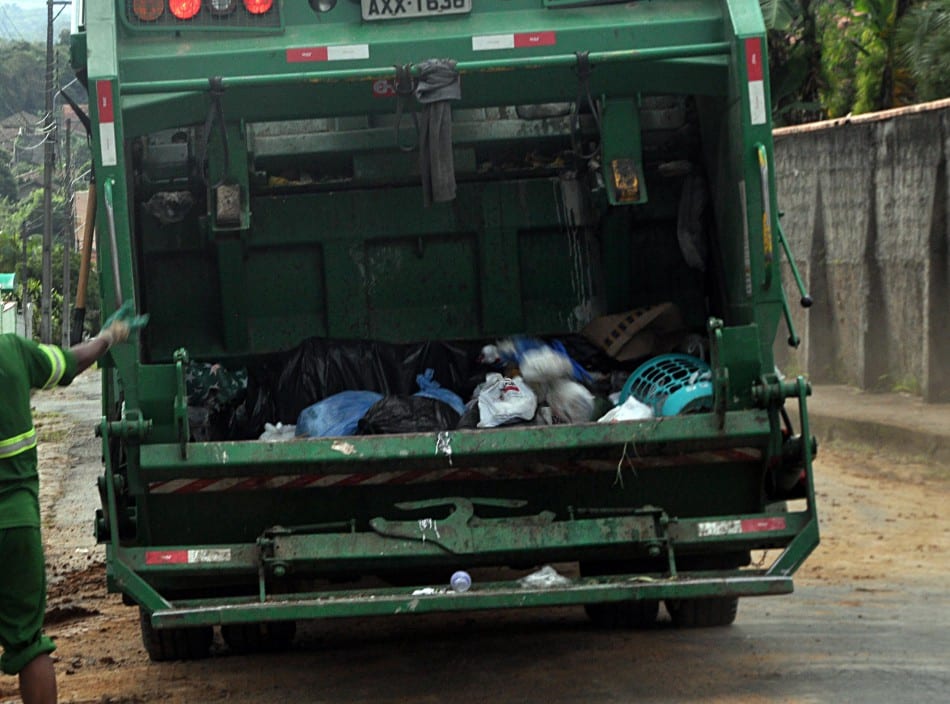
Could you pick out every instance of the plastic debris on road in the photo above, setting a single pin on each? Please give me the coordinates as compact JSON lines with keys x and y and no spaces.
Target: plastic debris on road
{"x":544,"y":578}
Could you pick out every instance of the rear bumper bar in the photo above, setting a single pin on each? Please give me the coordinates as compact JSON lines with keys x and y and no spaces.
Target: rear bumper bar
{"x":495,"y":595}
{"x":132,"y":570}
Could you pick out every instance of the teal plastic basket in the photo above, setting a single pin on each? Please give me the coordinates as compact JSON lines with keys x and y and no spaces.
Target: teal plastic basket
{"x":671,"y":384}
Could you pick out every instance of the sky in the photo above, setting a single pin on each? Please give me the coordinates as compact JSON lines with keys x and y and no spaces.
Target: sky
{"x":26,"y":19}
{"x":25,"y":4}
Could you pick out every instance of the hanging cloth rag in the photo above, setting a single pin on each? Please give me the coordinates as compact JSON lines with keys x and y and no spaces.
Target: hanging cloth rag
{"x":438,"y":85}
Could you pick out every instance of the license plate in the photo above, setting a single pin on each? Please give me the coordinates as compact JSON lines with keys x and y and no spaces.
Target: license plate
{"x":412,"y":9}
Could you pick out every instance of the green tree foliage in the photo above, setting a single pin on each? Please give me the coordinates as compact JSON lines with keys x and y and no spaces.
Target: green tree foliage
{"x":794,"y":60}
{"x":27,"y":216}
{"x":923,"y":36}
{"x":835,"y":57}
{"x":21,"y":77}
{"x":839,"y":36}
{"x":884,"y":84}
{"x":860,"y":56}
{"x":22,"y":87}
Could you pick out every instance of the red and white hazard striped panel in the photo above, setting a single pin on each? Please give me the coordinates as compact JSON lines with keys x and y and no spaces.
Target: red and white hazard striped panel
{"x":187,"y":557}
{"x":738,"y":527}
{"x":521,"y":40}
{"x":106,"y":107}
{"x":340,"y":52}
{"x":418,"y":476}
{"x":756,"y":77}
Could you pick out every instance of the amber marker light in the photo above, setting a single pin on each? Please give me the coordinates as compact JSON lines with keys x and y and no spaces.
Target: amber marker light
{"x":148,"y":10}
{"x":258,"y":7}
{"x":184,"y":9}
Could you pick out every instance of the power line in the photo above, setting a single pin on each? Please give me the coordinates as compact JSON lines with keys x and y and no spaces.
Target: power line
{"x":46,"y":137}
{"x":9,"y":26}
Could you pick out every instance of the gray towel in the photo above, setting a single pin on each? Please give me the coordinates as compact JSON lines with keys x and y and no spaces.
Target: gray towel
{"x":438,"y":84}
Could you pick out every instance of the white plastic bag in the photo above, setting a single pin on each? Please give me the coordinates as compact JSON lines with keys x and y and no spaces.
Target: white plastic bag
{"x":502,"y":400}
{"x":543,"y":365}
{"x":278,"y":432}
{"x":570,"y":401}
{"x":631,"y":409}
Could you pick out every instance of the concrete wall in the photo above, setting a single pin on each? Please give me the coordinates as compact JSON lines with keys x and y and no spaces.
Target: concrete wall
{"x":866,"y":202}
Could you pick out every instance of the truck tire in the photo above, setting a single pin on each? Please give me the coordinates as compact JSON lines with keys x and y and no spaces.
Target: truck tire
{"x":272,"y":636}
{"x":703,"y":613}
{"x":639,"y":613}
{"x":174,"y":643}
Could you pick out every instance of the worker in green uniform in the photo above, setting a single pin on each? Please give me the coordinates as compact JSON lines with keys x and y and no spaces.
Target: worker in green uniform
{"x":26,"y":365}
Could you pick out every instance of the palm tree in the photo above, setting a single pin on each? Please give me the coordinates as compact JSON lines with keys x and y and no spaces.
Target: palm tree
{"x":923,"y":36}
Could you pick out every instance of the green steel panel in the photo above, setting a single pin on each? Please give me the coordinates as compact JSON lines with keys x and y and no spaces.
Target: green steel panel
{"x":454,"y":448}
{"x":276,"y":99}
{"x":556,"y":295}
{"x":414,"y":287}
{"x":682,"y":25}
{"x":444,"y":542}
{"x":287,"y":293}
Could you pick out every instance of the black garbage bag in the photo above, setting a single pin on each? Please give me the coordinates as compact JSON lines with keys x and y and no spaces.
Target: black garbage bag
{"x":281,"y":385}
{"x":407,"y":414}
{"x":471,"y":416}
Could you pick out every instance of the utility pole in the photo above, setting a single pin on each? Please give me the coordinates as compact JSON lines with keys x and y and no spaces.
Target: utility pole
{"x":49,"y":132}
{"x":25,"y":309}
{"x":69,"y":237}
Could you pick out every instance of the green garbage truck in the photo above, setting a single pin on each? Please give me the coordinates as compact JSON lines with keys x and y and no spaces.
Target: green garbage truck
{"x":317,"y":200}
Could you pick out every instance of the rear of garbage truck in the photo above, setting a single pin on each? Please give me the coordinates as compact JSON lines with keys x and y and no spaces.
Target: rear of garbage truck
{"x":542,"y":211}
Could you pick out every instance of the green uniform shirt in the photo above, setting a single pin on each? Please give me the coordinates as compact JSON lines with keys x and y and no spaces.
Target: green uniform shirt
{"x":24,"y":365}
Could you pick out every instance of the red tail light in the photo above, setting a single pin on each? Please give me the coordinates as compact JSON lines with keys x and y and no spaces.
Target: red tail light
{"x":258,"y":7}
{"x":185,"y":9}
{"x":148,"y":10}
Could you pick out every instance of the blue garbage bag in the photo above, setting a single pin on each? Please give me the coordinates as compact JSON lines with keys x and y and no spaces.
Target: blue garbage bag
{"x":430,"y":388}
{"x":336,"y":415}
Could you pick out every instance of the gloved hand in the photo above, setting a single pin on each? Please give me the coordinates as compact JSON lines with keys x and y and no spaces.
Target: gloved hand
{"x":120,"y":324}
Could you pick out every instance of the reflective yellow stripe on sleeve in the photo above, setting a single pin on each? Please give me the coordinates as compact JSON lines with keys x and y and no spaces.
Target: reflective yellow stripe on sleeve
{"x":17,"y":444}
{"x":57,"y":360}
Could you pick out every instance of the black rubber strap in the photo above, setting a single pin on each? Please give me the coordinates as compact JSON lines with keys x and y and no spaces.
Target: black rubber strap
{"x":405,"y":85}
{"x":215,"y":117}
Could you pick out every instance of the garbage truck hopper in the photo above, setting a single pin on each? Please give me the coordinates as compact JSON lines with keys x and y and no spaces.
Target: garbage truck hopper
{"x":399,"y":260}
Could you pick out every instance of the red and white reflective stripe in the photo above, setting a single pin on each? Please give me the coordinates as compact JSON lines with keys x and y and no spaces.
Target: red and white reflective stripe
{"x":340,"y":52}
{"x":418,"y":476}
{"x":521,"y":40}
{"x":194,"y":486}
{"x":106,"y":107}
{"x":754,"y":67}
{"x":737,"y":527}
{"x":187,"y":557}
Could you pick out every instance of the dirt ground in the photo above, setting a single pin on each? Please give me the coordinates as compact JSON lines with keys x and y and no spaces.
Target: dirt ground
{"x":884,"y":524}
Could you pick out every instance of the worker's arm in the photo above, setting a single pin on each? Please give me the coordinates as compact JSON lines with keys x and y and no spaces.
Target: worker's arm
{"x":48,"y":365}
{"x":88,"y":352}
